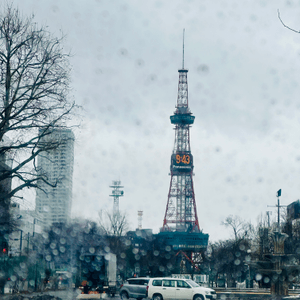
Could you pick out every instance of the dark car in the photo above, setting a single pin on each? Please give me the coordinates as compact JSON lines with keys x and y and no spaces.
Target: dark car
{"x":134,"y":288}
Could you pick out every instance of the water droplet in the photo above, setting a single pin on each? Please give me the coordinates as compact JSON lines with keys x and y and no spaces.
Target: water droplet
{"x":152,"y":77}
{"x":169,"y":266}
{"x":123,"y":52}
{"x":242,"y":247}
{"x":168,"y":248}
{"x":203,"y":69}
{"x":140,"y":62}
{"x":137,"y":257}
{"x":46,"y":209}
{"x":266,"y":280}
{"x":48,"y":257}
{"x":57,"y":231}
{"x":258,"y":277}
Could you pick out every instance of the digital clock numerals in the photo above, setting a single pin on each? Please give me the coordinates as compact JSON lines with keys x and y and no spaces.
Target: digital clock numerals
{"x":185,"y":159}
{"x":182,"y":160}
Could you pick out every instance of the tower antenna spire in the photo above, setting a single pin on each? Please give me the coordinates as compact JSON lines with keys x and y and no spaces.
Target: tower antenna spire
{"x":183,"y":50}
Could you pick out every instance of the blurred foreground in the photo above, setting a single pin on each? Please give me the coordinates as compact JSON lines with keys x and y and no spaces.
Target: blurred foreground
{"x":223,"y":294}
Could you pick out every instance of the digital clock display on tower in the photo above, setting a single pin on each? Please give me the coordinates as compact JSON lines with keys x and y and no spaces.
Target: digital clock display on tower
{"x":182,"y":159}
{"x":185,"y":159}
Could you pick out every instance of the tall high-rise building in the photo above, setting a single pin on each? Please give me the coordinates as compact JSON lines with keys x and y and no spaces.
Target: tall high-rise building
{"x":54,"y":202}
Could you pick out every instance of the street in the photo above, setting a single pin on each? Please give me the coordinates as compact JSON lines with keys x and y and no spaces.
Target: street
{"x":47,"y":295}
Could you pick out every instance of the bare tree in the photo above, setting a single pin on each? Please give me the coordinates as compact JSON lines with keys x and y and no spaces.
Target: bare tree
{"x":113,"y":224}
{"x":34,"y":82}
{"x":241,"y":229}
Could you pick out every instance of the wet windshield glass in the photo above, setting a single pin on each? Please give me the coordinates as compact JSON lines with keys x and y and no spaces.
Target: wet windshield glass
{"x":153,"y":139}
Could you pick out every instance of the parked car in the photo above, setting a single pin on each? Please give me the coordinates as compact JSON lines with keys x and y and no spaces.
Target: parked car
{"x":173,"y":288}
{"x":134,"y":288}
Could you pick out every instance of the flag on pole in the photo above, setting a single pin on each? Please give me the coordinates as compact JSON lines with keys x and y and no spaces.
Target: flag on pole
{"x":279,"y":193}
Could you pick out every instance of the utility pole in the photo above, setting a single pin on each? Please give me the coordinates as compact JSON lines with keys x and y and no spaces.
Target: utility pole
{"x":268,"y":215}
{"x":21,"y":238}
{"x":28,"y":236}
{"x":278,"y":209}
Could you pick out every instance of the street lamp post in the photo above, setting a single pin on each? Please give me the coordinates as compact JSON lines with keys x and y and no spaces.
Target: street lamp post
{"x":248,"y":262}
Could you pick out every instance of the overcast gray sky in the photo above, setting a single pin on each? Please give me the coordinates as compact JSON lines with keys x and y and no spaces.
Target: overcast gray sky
{"x":243,"y":90}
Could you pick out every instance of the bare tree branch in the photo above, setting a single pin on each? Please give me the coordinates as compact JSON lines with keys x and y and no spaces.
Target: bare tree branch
{"x":278,"y":13}
{"x":240,"y":228}
{"x":113,"y":224}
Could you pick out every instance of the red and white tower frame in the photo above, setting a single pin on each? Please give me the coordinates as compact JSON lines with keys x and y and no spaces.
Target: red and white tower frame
{"x":181,"y":212}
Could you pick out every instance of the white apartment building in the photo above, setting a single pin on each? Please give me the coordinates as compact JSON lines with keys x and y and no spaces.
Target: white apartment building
{"x":54,"y":203}
{"x":28,"y":225}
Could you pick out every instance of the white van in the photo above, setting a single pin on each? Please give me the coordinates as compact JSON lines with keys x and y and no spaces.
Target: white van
{"x":174,"y":288}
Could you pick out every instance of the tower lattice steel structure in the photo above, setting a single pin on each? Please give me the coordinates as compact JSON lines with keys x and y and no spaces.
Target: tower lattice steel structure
{"x":181,"y":212}
{"x":116,"y":194}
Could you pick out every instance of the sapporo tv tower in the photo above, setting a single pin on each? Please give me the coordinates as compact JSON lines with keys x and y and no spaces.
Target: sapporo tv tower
{"x":181,"y":228}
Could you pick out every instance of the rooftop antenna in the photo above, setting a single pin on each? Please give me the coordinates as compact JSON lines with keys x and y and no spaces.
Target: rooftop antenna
{"x":183,"y":50}
{"x":140,"y":218}
{"x":116,"y":194}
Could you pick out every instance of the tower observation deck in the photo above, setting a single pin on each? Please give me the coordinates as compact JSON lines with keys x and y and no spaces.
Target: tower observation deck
{"x":181,"y":227}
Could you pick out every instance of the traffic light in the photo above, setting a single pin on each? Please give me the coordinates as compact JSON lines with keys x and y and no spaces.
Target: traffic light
{"x":4,"y":247}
